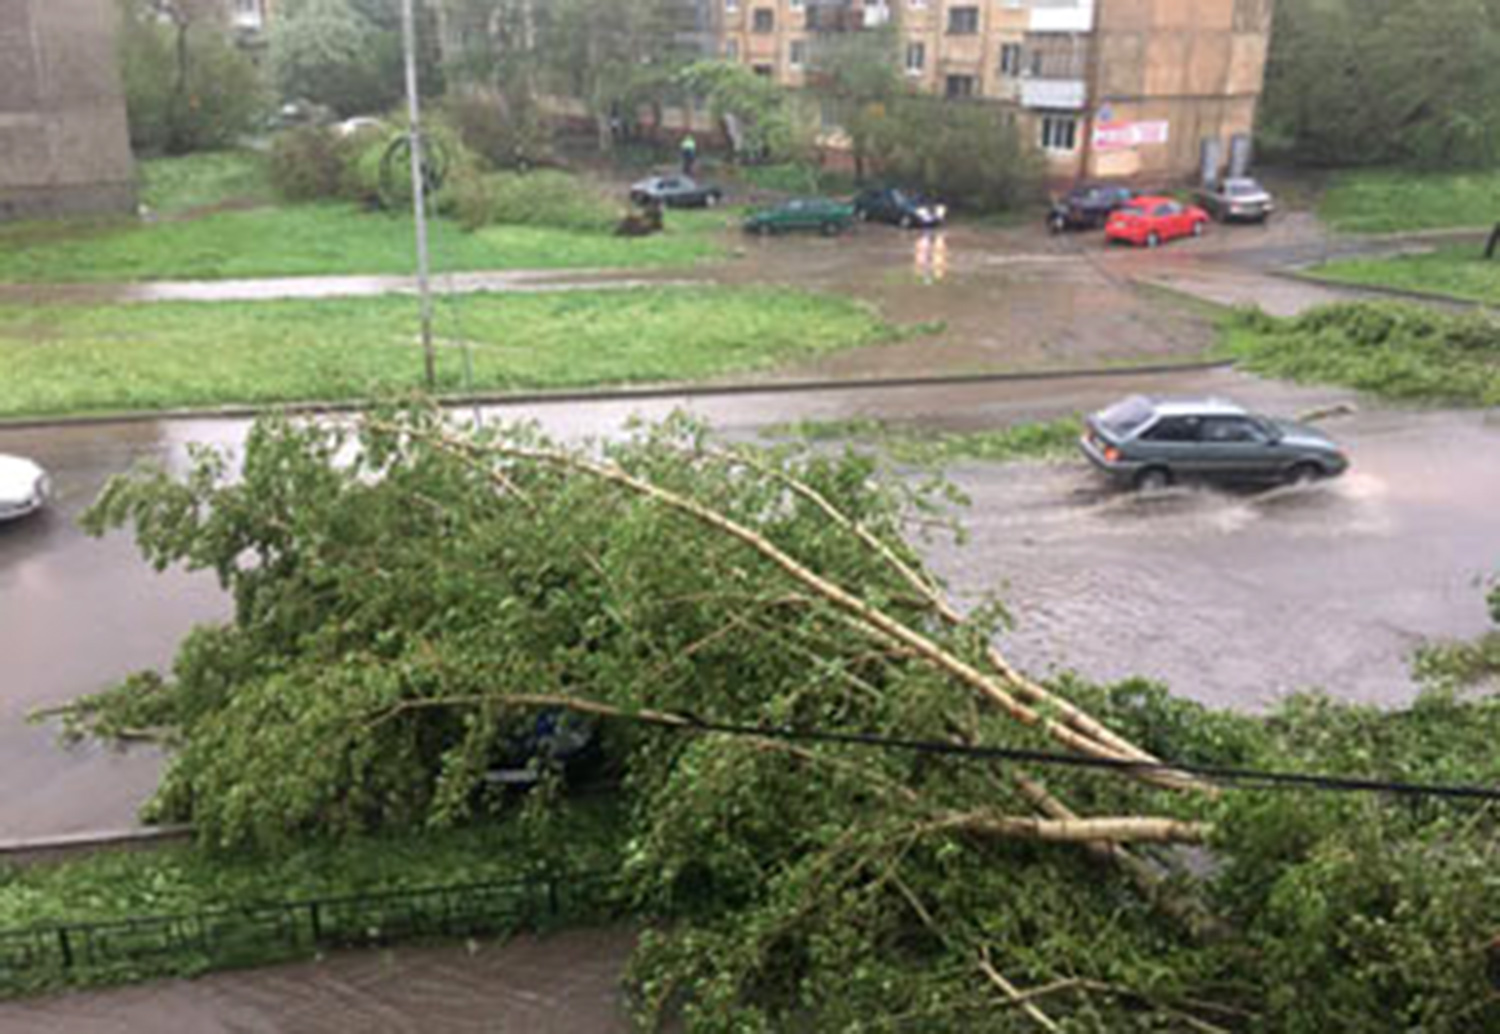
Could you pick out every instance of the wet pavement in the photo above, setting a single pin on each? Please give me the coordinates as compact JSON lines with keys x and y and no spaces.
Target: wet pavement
{"x":563,"y":984}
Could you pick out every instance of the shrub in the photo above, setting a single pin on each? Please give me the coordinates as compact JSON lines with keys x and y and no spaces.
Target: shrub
{"x":504,"y":133}
{"x":310,"y":163}
{"x":379,"y":181}
{"x":543,"y":198}
{"x":972,"y":155}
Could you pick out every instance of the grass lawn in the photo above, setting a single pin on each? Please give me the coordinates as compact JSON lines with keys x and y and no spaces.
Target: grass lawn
{"x":1404,"y":352}
{"x":1394,"y":200}
{"x":925,"y":448}
{"x":325,"y":239}
{"x":111,"y":358}
{"x":1458,"y":271}
{"x":171,"y":186}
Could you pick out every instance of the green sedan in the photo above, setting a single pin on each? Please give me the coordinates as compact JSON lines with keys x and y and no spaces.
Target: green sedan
{"x":829,"y":218}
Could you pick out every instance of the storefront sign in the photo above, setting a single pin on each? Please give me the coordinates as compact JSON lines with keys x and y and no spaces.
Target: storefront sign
{"x":1124,"y":136}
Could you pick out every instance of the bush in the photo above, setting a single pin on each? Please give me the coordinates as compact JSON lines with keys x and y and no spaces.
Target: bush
{"x":506,"y":134}
{"x":370,"y":182}
{"x":543,"y":198}
{"x":217,"y":100}
{"x":311,"y":163}
{"x":972,"y":155}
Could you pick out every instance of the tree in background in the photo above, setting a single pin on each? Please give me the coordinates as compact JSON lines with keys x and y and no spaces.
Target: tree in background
{"x":346,"y":54}
{"x":187,"y":87}
{"x":769,"y":123}
{"x":856,"y":76}
{"x":1353,"y":82}
{"x":973,"y":155}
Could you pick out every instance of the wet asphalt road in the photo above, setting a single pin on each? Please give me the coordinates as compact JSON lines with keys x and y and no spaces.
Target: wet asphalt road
{"x":1231,"y":599}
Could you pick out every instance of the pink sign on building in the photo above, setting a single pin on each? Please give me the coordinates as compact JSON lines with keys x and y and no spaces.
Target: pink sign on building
{"x":1124,"y":136}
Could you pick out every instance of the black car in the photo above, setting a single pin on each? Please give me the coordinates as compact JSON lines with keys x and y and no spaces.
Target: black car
{"x":675,"y":192}
{"x":1087,"y":207}
{"x":899,"y":208}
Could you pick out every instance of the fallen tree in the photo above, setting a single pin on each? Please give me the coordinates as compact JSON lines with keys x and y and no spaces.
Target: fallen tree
{"x":409,"y":594}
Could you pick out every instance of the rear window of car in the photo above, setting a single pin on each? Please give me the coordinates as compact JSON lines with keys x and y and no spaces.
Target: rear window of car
{"x":1126,"y":417}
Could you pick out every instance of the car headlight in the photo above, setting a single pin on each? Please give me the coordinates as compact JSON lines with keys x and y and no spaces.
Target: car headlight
{"x":942,"y":211}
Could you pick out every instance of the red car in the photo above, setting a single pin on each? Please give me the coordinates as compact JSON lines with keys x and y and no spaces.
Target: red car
{"x":1152,"y":220}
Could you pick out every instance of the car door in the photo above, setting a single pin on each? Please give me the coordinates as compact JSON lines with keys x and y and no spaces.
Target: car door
{"x":1170,"y":220}
{"x":1236,"y":448}
{"x":1173,"y":442}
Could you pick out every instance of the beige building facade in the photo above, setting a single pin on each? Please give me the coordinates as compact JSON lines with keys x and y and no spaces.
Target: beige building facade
{"x":64,"y":145}
{"x":1143,"y":90}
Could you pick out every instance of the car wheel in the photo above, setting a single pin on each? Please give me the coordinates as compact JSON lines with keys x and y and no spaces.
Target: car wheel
{"x":829,"y":229}
{"x":1153,"y":479}
{"x":765,"y":229}
{"x":1198,"y":228}
{"x":1153,"y":239}
{"x":710,"y":200}
{"x":1304,"y":474}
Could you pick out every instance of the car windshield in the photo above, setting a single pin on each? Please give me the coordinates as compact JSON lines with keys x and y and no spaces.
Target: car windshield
{"x":1242,"y":188}
{"x":1127,"y":417}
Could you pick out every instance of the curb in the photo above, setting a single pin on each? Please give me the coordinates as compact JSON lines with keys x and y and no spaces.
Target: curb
{"x":1400,"y":293}
{"x":26,"y":851}
{"x":643,"y":393}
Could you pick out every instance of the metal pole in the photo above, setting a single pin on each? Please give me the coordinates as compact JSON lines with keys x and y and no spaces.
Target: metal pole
{"x":418,"y":189}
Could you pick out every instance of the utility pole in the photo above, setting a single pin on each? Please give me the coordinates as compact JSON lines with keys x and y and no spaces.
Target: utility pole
{"x":418,"y":189}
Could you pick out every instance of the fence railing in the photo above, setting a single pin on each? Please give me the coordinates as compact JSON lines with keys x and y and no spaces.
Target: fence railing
{"x":265,"y":931}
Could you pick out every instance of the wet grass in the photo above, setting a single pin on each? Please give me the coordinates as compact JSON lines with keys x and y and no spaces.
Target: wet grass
{"x":1404,"y":352}
{"x":1397,"y":200}
{"x":172,"y":186}
{"x":67,"y":360}
{"x":1457,"y":271}
{"x":920,"y":447}
{"x":327,"y":239}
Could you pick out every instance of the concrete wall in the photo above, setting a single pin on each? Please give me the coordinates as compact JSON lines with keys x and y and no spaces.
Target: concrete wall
{"x":64,"y":146}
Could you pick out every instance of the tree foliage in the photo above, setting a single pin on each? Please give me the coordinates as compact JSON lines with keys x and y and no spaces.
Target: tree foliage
{"x":347,"y":55}
{"x":407,"y":593}
{"x":973,"y":155}
{"x":187,"y":87}
{"x":1353,"y":82}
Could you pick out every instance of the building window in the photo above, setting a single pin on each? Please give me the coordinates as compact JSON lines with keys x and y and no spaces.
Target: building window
{"x":1059,"y":133}
{"x":963,"y":21}
{"x":247,"y":14}
{"x":765,"y":20}
{"x":764,"y":71}
{"x":916,"y":58}
{"x":797,"y":53}
{"x":732,"y":49}
{"x":959,"y":87}
{"x":1010,"y":59}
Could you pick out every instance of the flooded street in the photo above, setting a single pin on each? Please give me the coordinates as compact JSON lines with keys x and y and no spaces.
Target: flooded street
{"x":567,"y":983}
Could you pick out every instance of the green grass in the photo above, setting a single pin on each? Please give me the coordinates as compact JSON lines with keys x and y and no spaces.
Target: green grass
{"x":326,"y":239}
{"x":795,"y":178}
{"x":1408,"y":353}
{"x":1457,"y":271}
{"x":113,"y":358}
{"x":1394,"y":200}
{"x":922,"y":448}
{"x":172,"y":186}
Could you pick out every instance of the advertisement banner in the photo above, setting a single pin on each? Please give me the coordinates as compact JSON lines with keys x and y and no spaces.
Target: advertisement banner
{"x":1124,"y":136}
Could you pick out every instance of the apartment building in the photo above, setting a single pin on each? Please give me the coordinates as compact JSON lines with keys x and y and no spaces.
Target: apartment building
{"x":1148,"y":90}
{"x":64,"y":148}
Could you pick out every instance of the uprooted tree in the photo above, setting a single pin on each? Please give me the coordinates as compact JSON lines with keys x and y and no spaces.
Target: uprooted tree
{"x":408,"y":593}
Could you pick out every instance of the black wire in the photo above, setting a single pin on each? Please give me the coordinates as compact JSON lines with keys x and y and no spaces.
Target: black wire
{"x":1242,"y":777}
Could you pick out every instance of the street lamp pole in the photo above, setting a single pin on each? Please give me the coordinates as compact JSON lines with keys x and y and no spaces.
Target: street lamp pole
{"x":418,"y":189}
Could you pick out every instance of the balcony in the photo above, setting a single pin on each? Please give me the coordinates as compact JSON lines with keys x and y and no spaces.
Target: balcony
{"x":1056,"y":94}
{"x":846,"y":15}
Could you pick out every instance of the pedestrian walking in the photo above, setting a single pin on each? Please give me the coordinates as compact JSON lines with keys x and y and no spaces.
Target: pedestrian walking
{"x":689,"y":154}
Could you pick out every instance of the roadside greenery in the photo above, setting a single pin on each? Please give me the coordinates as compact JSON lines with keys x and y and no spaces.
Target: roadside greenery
{"x":326,"y":239}
{"x":1464,"y":666}
{"x":1396,"y":200}
{"x":75,"y":359}
{"x":794,"y":885}
{"x":177,"y":186}
{"x":1456,"y":271}
{"x":1397,"y":351}
{"x":924,"y":447}
{"x":345,"y":55}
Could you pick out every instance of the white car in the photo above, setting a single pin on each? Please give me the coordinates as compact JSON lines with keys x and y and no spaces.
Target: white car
{"x":24,"y":487}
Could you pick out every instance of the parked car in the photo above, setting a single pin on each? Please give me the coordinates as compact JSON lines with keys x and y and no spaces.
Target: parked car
{"x":1154,"y":443}
{"x":675,"y":192}
{"x":829,"y":218}
{"x":1234,"y":199}
{"x":24,"y":487}
{"x":1087,"y":207}
{"x":1152,"y":221}
{"x":902,"y":208}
